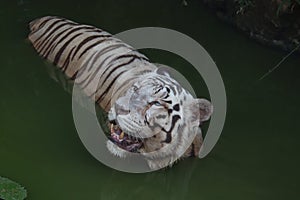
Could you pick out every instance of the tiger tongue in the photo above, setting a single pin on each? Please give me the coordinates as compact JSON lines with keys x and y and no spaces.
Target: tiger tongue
{"x":116,"y":133}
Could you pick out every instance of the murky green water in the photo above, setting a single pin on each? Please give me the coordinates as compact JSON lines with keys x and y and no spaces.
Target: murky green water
{"x":257,"y":156}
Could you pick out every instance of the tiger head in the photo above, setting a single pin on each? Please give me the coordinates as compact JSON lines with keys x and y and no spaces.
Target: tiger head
{"x":156,"y":117}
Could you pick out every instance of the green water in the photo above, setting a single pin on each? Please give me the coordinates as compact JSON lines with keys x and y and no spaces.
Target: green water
{"x":257,"y":156}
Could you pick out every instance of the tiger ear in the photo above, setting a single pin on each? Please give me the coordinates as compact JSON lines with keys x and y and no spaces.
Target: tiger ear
{"x":205,"y":109}
{"x":162,"y":70}
{"x":200,"y":110}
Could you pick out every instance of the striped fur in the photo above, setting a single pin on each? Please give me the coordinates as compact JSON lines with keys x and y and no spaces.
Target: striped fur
{"x":161,"y":113}
{"x":85,"y":53}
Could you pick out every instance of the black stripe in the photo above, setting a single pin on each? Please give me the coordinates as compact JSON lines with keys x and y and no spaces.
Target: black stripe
{"x":32,"y":24}
{"x":86,"y":40}
{"x":74,"y":75}
{"x":85,"y":65}
{"x":97,"y":30}
{"x":66,"y":35}
{"x":50,"y":35}
{"x":119,"y":57}
{"x":173,"y":89}
{"x":112,"y":61}
{"x":158,"y":90}
{"x":168,"y":139}
{"x":44,"y":22}
{"x":49,"y":48}
{"x":96,"y":72}
{"x":132,"y":55}
{"x":91,"y":46}
{"x":162,"y":80}
{"x":91,"y":76}
{"x":75,"y":28}
{"x":143,"y":57}
{"x":116,"y":58}
{"x":67,"y":61}
{"x":103,"y":51}
{"x":108,"y":88}
{"x":176,"y":107}
{"x":169,"y":102}
{"x":108,"y":49}
{"x":117,"y":67}
{"x":61,"y":50}
{"x":49,"y":28}
{"x":127,"y":81}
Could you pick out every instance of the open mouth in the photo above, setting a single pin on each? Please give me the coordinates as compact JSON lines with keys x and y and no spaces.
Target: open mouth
{"x":123,"y":140}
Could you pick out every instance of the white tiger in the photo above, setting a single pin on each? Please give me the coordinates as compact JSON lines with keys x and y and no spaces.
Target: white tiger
{"x":150,"y":112}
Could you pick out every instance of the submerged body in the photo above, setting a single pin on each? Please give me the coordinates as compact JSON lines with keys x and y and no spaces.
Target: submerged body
{"x":148,"y":108}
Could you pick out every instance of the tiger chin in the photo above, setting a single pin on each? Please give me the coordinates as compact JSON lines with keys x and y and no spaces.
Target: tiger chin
{"x":159,"y":119}
{"x":150,"y":112}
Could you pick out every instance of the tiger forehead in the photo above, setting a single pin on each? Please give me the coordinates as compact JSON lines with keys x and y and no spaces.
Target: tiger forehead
{"x":151,"y":81}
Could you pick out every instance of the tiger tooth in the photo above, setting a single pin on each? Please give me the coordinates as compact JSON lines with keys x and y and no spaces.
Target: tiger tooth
{"x":121,"y":135}
{"x":111,"y":128}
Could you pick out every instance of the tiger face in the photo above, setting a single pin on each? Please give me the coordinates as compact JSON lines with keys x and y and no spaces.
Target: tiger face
{"x":156,"y":117}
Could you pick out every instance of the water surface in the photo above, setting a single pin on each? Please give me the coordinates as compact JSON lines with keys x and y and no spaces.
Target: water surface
{"x":255,"y":158}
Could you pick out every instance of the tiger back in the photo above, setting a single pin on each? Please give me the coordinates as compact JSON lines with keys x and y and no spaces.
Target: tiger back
{"x":92,"y":57}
